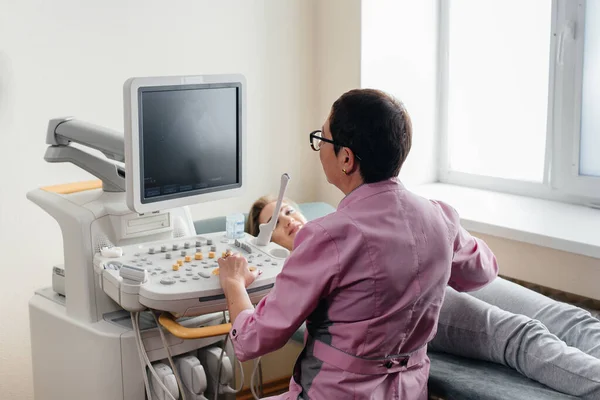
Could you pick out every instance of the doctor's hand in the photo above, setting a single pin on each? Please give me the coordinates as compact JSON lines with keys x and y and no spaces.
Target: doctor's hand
{"x":234,"y":272}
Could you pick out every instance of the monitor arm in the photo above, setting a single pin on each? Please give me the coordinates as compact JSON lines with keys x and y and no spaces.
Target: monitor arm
{"x":64,"y":131}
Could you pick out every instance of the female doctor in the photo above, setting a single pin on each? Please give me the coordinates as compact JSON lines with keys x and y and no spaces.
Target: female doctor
{"x":368,"y":279}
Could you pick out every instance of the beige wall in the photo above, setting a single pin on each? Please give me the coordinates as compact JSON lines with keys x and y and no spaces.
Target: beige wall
{"x":567,"y":272}
{"x":275,"y":366}
{"x":337,"y":61}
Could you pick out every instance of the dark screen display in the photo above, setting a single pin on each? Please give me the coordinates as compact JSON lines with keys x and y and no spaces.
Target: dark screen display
{"x":189,"y":140}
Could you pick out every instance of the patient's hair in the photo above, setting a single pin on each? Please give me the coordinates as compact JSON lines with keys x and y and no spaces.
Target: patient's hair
{"x":252,"y":224}
{"x":376,"y":127}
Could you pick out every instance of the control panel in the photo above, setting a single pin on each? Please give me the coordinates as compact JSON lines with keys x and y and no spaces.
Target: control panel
{"x":181,"y":275}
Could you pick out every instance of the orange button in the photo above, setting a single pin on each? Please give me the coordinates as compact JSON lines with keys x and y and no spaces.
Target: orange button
{"x":180,"y":262}
{"x":175,"y":267}
{"x":252,"y":269}
{"x":188,"y":258}
{"x":215,"y":271}
{"x":199,"y":256}
{"x":211,"y":254}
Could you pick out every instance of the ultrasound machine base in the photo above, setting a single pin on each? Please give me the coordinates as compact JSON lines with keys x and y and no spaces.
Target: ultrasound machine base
{"x":123,"y":238}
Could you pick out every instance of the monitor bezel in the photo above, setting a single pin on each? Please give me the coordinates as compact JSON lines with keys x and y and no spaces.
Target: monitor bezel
{"x":134,"y":186}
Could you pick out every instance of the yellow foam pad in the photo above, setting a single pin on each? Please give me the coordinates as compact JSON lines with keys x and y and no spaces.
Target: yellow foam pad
{"x":75,"y":187}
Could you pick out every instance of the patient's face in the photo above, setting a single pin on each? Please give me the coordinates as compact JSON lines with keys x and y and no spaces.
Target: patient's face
{"x":289,"y":222}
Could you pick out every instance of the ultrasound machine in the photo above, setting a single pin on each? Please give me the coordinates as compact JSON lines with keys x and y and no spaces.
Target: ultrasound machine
{"x":136,"y":310}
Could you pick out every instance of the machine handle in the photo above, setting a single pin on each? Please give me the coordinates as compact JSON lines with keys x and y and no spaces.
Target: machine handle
{"x":175,"y":328}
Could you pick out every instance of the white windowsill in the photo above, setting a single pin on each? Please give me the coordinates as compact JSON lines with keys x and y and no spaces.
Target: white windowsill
{"x":566,"y":227}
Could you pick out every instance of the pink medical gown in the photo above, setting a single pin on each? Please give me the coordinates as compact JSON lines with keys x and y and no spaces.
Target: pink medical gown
{"x":369,"y":281}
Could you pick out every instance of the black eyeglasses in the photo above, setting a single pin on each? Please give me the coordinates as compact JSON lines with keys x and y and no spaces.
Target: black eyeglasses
{"x":316,"y":139}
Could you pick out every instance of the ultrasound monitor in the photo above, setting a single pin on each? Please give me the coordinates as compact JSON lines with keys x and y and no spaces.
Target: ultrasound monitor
{"x":184,"y":140}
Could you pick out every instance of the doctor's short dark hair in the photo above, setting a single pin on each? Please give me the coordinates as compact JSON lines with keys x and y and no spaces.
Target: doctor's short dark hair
{"x":377,"y":128}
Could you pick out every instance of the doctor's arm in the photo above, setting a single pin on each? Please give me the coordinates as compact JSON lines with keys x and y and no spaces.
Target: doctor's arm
{"x":474,"y":265}
{"x":235,"y":277}
{"x":309,"y":274}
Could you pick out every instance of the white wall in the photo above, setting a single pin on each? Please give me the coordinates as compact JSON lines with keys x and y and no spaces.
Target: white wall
{"x":68,"y":57}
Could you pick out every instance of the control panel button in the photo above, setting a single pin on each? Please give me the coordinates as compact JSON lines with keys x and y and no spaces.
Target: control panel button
{"x":163,"y":248}
{"x":211,"y":254}
{"x":168,"y":256}
{"x":175,"y":247}
{"x":151,"y":250}
{"x":198,"y":256}
{"x":183,"y":253}
{"x":204,"y":274}
{"x":188,"y":259}
{"x":186,"y":245}
{"x":175,"y":267}
{"x":167,"y":280}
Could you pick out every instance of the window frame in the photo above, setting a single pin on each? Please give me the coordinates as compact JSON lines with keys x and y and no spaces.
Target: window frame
{"x":561,"y":180}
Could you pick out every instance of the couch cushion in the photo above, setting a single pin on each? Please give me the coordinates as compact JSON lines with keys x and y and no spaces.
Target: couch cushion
{"x":453,"y":377}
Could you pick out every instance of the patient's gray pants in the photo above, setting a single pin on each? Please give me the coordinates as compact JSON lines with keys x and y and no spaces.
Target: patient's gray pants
{"x":551,"y":342}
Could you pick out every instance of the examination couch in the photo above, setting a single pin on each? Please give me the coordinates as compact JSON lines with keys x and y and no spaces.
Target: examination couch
{"x":451,"y":377}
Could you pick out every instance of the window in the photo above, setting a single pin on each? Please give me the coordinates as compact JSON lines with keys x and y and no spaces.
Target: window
{"x":590,"y":102}
{"x":519,"y":84}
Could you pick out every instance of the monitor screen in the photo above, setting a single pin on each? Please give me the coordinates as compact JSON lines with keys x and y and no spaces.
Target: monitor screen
{"x":189,"y":140}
